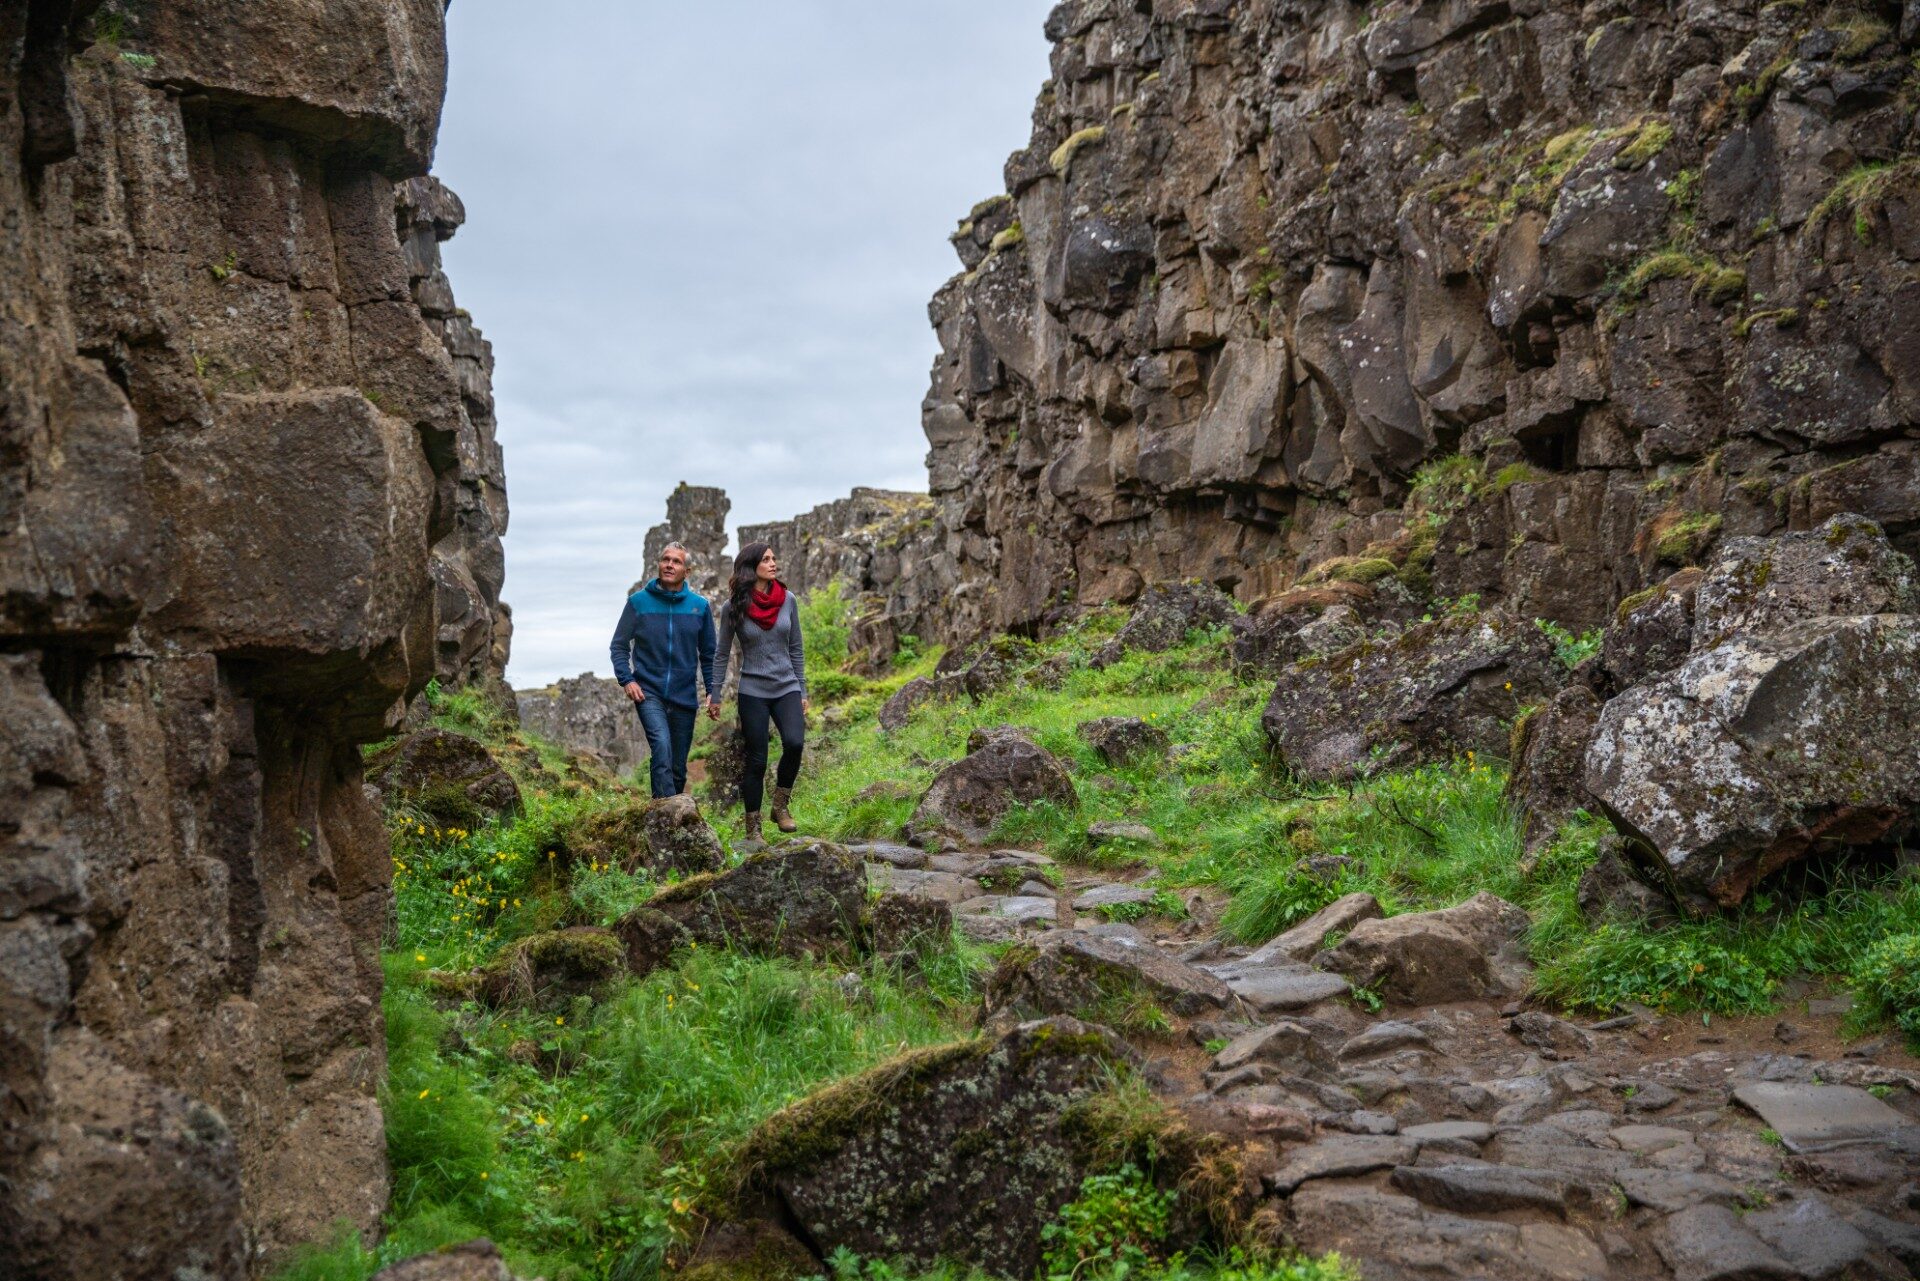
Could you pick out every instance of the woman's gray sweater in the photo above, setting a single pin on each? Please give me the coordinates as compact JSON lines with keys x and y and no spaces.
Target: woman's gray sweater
{"x":772,"y":659}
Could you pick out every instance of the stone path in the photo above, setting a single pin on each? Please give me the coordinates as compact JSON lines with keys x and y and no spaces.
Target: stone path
{"x":1486,"y":1138}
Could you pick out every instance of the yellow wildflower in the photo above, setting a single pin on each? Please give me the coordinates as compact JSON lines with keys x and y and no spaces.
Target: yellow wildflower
{"x":423,"y":1094}
{"x":421,"y":957}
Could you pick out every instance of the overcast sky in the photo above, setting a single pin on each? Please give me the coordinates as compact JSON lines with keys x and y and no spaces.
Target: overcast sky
{"x":701,"y":238}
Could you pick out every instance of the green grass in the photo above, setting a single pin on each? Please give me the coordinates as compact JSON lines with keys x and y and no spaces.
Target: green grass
{"x":1420,"y":839}
{"x":591,"y":1141}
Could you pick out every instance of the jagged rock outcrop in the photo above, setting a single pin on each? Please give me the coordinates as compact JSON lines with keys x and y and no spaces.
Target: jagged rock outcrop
{"x":697,"y":520}
{"x":475,"y":629}
{"x":883,"y":549}
{"x":242,"y":451}
{"x":1647,"y":268}
{"x":586,"y":713}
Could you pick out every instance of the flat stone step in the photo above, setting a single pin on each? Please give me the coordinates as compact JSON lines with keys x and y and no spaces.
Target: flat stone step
{"x":1814,"y":1118}
{"x":1276,"y":989}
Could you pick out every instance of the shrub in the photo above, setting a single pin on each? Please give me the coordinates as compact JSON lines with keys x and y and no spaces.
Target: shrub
{"x":1887,"y":981}
{"x":1118,"y":1220}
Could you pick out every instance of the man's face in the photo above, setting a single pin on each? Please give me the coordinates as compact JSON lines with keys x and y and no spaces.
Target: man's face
{"x":673,"y":567}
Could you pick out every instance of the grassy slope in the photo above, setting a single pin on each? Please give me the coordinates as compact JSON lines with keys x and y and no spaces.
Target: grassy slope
{"x":585,"y":1140}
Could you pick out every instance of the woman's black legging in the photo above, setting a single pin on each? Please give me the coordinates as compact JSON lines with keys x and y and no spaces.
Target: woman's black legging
{"x":785,"y":713}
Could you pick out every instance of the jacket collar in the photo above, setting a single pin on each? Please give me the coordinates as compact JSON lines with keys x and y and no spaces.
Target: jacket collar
{"x":653,"y":585}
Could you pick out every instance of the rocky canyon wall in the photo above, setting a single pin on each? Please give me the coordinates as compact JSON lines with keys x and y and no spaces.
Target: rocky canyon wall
{"x":250,"y":503}
{"x":1650,"y":269}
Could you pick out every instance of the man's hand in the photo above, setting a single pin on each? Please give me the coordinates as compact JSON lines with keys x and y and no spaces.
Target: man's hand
{"x":634,"y":691}
{"x":713,"y":711}
{"x":806,"y":705}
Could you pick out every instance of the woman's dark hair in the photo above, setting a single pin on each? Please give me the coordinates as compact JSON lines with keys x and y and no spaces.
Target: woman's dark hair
{"x":740,"y":590}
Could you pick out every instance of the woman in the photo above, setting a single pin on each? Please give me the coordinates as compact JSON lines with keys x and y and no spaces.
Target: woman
{"x":764,"y":618}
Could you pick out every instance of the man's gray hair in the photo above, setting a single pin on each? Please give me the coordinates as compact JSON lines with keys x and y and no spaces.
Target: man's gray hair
{"x":681,"y":548}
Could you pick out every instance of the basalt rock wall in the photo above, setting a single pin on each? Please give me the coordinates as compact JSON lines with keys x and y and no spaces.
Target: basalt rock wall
{"x":249,"y":505}
{"x":1647,"y":268}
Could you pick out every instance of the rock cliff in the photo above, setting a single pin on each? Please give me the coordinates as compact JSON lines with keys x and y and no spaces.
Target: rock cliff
{"x":249,"y":504}
{"x":586,"y":713}
{"x":697,"y":520}
{"x":884,"y":550}
{"x":1525,"y":301}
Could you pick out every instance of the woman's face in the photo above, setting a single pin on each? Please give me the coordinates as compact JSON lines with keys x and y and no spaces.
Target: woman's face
{"x":769,"y":567}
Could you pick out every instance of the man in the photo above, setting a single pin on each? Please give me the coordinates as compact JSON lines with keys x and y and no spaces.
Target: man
{"x":663,"y":645}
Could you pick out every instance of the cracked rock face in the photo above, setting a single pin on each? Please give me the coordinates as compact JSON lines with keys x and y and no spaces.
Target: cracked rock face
{"x":250,"y":503}
{"x":1259,"y":263}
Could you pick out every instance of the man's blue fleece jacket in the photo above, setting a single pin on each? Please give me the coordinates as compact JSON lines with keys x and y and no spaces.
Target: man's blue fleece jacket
{"x":663,"y":639}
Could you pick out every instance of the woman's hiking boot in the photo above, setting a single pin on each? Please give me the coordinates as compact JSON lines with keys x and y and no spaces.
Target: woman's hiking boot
{"x":752,"y":824}
{"x":781,"y":818}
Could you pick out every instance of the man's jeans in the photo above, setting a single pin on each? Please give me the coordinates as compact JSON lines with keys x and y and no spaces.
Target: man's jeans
{"x":669,"y":739}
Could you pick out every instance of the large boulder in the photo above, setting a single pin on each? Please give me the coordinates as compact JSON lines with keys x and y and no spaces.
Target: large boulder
{"x":1459,"y":953}
{"x":802,"y":898}
{"x":678,"y":838}
{"x":960,"y":1152}
{"x":1076,"y":972}
{"x":1306,"y":620}
{"x":899,"y":707}
{"x":1788,"y":726}
{"x":1764,"y":749}
{"x":451,"y":778}
{"x":1844,"y":568}
{"x":1002,"y":768}
{"x":1439,"y":689}
{"x":1163,"y":617}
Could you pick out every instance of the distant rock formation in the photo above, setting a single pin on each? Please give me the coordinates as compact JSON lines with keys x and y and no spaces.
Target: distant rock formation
{"x":697,"y":520}
{"x":1269,"y":276}
{"x":586,"y":713}
{"x":249,"y":505}
{"x":884,"y":550}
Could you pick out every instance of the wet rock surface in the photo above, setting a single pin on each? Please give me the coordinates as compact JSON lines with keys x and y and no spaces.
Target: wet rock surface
{"x":1464,"y":1132}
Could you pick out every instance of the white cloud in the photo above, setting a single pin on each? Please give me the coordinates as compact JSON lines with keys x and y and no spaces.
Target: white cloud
{"x":702,"y":239}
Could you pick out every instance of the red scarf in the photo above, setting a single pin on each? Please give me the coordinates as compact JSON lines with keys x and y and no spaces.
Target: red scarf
{"x":764,"y":607}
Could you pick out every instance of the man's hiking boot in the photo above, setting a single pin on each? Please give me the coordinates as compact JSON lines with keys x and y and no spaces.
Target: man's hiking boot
{"x":782,"y":819}
{"x":752,"y":823}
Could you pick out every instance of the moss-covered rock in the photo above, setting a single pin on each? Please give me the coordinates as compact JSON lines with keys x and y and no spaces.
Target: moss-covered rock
{"x":961,"y":1152}
{"x":1164,"y":615}
{"x":551,"y":968}
{"x":450,"y":778}
{"x":1439,"y":689}
{"x":1073,"y":972}
{"x":802,"y":898}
